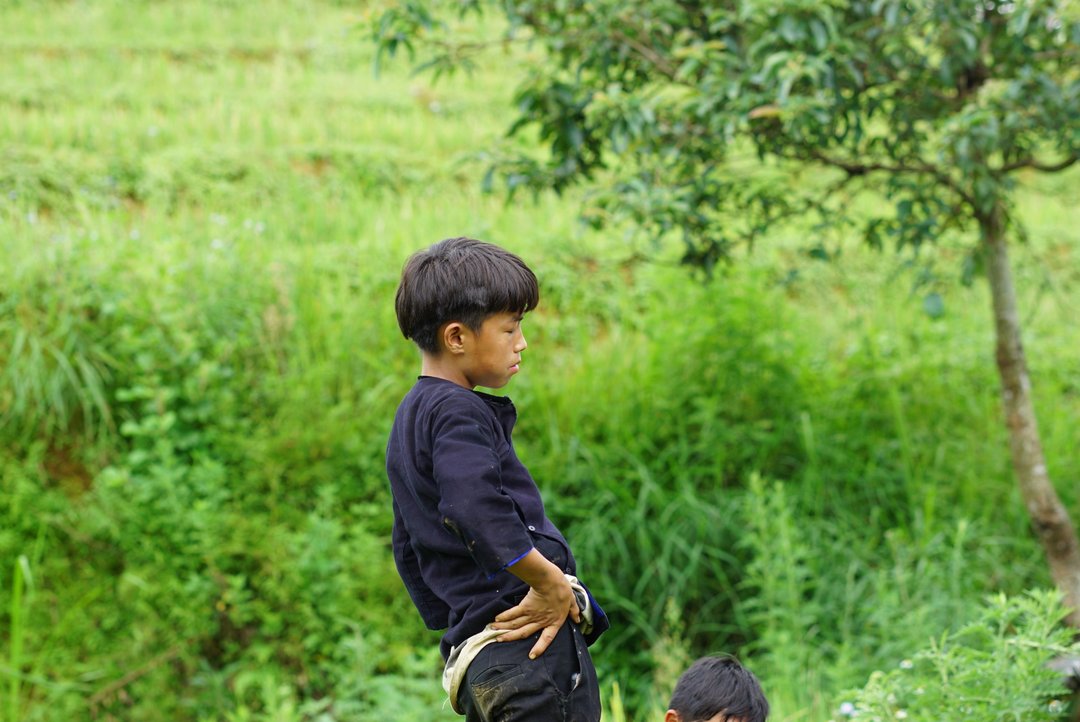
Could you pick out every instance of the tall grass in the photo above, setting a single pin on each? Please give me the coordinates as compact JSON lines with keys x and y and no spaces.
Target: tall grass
{"x":16,"y":615}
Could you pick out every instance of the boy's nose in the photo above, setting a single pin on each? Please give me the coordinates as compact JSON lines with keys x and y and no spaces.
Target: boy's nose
{"x":522,"y":344}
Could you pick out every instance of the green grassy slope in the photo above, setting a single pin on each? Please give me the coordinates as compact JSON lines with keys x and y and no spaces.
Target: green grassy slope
{"x":204,"y":208}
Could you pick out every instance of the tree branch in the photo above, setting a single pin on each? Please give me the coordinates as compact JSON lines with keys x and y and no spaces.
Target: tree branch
{"x":1037,"y":165}
{"x":857,"y":169}
{"x":476,"y":46}
{"x":658,"y":61}
{"x":809,"y":202}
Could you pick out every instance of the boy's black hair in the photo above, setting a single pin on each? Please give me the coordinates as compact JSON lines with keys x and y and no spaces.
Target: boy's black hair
{"x":460,"y":279}
{"x":714,"y":685}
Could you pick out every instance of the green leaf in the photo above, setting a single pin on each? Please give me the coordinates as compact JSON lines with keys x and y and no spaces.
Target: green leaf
{"x":821,"y":35}
{"x":790,"y":29}
{"x":934,"y":305}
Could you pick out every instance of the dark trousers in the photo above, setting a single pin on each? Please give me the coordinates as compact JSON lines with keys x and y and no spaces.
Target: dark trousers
{"x":503,"y":685}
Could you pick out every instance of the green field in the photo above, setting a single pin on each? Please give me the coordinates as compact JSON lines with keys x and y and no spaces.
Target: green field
{"x":204,"y":209}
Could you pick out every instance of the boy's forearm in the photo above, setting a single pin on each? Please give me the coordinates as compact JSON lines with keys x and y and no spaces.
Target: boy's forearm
{"x":535,"y":570}
{"x":544,"y":609}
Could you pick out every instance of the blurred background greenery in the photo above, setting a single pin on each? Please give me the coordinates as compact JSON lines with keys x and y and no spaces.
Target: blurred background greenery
{"x":205,"y":207}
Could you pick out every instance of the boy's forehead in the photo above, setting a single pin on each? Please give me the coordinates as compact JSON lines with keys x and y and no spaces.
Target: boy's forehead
{"x":506,"y":316}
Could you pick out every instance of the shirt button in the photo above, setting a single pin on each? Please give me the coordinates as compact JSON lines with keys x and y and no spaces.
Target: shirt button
{"x":532,"y":528}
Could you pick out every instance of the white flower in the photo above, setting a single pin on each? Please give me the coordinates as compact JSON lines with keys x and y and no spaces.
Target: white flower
{"x":901,"y":714}
{"x":847,"y":709}
{"x":906,"y":664}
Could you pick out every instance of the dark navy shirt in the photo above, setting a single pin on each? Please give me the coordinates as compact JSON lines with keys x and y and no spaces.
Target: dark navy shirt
{"x":465,"y":507}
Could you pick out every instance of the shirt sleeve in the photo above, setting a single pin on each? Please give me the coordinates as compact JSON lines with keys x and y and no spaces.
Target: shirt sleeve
{"x":466,"y":458}
{"x":433,"y":610}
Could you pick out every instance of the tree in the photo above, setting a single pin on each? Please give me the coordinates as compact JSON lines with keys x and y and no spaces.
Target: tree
{"x":934,"y":105}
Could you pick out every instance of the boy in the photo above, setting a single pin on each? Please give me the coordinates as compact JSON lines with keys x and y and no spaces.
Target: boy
{"x":471,"y":540}
{"x":717,"y":689}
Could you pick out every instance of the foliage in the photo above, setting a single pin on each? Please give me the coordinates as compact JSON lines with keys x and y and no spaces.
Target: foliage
{"x":200,"y":501}
{"x":993,"y":668}
{"x":933,"y":104}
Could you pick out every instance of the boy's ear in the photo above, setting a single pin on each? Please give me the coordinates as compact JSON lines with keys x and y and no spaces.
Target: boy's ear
{"x":671,"y":716}
{"x":451,"y":336}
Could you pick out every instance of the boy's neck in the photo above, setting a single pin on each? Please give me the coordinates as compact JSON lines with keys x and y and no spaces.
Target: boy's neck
{"x":442,"y":367}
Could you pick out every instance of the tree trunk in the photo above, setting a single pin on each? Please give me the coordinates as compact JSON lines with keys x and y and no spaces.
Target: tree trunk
{"x":1048,"y":515}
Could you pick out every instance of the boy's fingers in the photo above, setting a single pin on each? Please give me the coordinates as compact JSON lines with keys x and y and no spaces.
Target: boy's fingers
{"x":515,"y":625}
{"x":515,"y":634}
{"x":515,"y":619}
{"x":508,"y":616}
{"x":514,"y":615}
{"x":542,"y":644}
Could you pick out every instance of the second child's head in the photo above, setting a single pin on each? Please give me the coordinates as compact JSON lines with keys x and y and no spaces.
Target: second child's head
{"x":717,"y":689}
{"x":461,"y":301}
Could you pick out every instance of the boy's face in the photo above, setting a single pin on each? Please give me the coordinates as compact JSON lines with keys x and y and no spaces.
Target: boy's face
{"x":493,"y":353}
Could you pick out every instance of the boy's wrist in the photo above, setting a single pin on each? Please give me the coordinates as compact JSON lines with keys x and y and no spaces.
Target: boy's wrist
{"x":538,"y":572}
{"x":552,"y":581}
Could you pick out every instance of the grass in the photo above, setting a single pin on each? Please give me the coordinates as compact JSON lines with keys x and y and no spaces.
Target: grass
{"x":206,"y":206}
{"x":16,"y":616}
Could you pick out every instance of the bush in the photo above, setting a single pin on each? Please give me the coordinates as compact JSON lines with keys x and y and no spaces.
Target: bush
{"x":992,"y":669}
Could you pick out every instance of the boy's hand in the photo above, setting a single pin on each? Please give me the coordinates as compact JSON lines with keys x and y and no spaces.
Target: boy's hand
{"x":544,"y":609}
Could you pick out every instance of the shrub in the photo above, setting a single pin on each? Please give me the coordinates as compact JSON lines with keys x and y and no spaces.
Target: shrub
{"x":994,"y":668}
